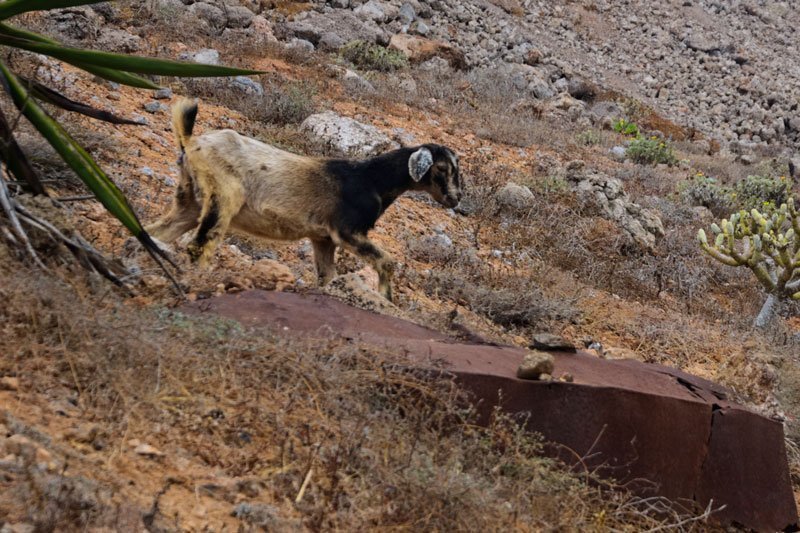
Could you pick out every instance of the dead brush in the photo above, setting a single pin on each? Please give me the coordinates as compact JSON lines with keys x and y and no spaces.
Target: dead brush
{"x":338,"y":435}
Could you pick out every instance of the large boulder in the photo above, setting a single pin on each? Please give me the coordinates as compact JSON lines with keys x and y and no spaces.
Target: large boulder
{"x":606,"y":197}
{"x":654,"y":429}
{"x":343,"y":24}
{"x":347,"y":136}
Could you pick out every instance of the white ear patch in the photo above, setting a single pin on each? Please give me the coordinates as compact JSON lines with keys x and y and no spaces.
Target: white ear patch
{"x":419,"y":163}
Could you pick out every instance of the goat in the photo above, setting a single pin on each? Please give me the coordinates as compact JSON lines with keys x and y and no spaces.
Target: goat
{"x":229,"y":180}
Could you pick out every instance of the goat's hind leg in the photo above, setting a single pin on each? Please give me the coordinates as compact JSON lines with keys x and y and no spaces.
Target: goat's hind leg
{"x":183,"y":214}
{"x":219,"y":208}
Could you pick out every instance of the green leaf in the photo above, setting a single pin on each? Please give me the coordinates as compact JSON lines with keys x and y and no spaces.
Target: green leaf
{"x":118,"y":76}
{"x":46,"y":94}
{"x":73,"y":154}
{"x":9,"y":8}
{"x":125,"y":78}
{"x":16,"y":160}
{"x":141,"y":65}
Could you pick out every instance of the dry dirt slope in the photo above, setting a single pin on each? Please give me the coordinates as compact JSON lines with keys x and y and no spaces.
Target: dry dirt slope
{"x":580,"y":276}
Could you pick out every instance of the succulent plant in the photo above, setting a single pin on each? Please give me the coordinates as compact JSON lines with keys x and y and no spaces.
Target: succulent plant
{"x":768,"y":243}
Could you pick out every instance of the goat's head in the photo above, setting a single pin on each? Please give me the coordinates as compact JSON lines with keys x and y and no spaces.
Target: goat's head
{"x":435,"y":169}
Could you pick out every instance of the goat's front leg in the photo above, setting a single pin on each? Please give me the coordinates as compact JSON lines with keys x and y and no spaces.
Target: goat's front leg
{"x":382,"y":262}
{"x":324,"y":251}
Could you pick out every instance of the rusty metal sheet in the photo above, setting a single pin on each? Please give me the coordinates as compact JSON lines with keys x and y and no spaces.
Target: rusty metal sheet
{"x":654,"y":429}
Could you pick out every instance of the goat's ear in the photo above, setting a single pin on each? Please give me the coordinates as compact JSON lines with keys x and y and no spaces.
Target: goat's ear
{"x":419,"y":163}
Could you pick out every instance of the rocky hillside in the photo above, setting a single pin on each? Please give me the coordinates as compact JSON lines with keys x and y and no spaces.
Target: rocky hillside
{"x":568,"y":226}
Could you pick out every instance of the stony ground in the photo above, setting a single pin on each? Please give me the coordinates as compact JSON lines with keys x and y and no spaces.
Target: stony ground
{"x":559,"y":231}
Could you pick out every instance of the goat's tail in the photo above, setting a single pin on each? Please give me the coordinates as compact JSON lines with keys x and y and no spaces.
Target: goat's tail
{"x":184,"y":114}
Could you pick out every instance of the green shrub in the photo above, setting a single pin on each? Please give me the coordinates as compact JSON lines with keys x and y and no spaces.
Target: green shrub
{"x":707,"y":192}
{"x":551,"y":185}
{"x":291,"y":103}
{"x":757,"y":192}
{"x":370,"y":56}
{"x":651,"y":151}
{"x":626,"y":128}
{"x":589,"y":138}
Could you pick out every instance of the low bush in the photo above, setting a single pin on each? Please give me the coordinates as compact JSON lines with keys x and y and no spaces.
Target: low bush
{"x":703,"y":190}
{"x":652,"y":151}
{"x":758,"y":192}
{"x":589,"y":138}
{"x":370,"y":56}
{"x":626,"y":128}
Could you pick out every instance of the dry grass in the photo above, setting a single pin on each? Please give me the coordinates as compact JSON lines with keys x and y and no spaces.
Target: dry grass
{"x":385,"y":446}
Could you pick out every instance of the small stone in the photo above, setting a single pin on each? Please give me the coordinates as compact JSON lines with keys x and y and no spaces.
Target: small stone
{"x":548,"y":341}
{"x":9,"y":383}
{"x":535,"y":364}
{"x":163,"y":94}
{"x":613,"y":352}
{"x":207,"y":56}
{"x":148,"y":451}
{"x":533,"y":57}
{"x":21,"y":446}
{"x":567,"y":378}
{"x":515,"y":195}
{"x":618,"y":153}
{"x":407,"y":14}
{"x":545,"y":377}
{"x":247,"y":85}
{"x":155,"y":107}
{"x":20,"y":527}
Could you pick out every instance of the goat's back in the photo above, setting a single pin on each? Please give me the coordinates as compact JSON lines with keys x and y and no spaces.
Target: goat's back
{"x":274,"y":182}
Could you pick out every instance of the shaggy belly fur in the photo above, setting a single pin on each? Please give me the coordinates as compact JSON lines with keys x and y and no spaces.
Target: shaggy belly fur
{"x":271,"y":225}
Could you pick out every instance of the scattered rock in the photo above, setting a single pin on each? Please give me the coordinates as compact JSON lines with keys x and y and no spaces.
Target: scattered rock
{"x":419,"y":49}
{"x":208,"y":56}
{"x":9,"y":383}
{"x":548,"y":341}
{"x":618,"y":153}
{"x":375,"y":11}
{"x":21,"y":446}
{"x":258,"y":514}
{"x":534,"y":364}
{"x":607,"y":197}
{"x":515,"y":196}
{"x":247,"y":85}
{"x":348,"y":136}
{"x":19,"y":527}
{"x":115,"y":40}
{"x":272,"y":275}
{"x":155,"y":107}
{"x":148,"y":451}
{"x":613,"y":352}
{"x":300,"y":47}
{"x":163,"y":94}
{"x":353,"y":289}
{"x":354,"y":82}
{"x":344,"y":24}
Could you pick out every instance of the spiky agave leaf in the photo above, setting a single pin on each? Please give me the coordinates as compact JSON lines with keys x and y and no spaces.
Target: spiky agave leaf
{"x":118,"y":76}
{"x":46,"y":94}
{"x":126,"y":63}
{"x":74,"y":155}
{"x":9,"y":8}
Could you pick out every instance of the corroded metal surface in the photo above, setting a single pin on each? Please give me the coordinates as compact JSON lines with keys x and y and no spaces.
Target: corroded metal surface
{"x":651,"y":428}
